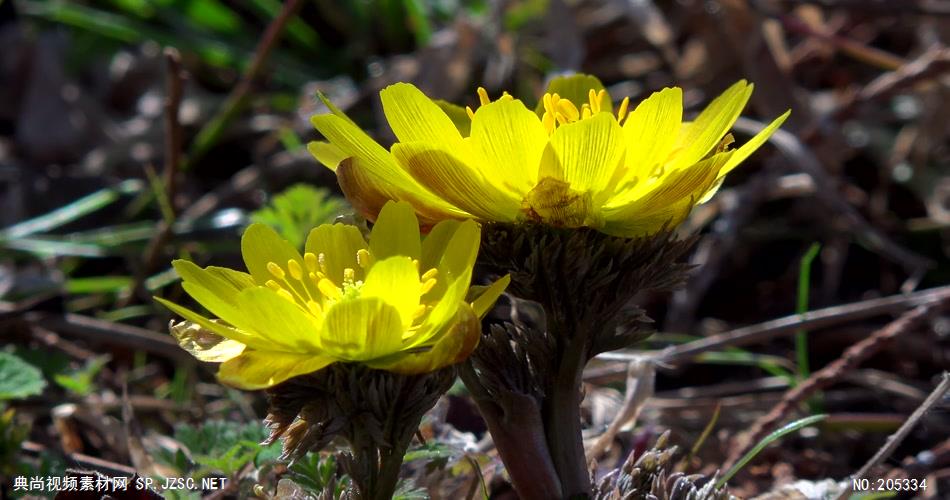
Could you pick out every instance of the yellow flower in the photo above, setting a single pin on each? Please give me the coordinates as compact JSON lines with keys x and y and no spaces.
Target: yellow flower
{"x":395,"y":303}
{"x":571,"y":162}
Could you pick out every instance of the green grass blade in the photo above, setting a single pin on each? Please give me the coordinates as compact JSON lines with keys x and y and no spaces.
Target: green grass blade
{"x":75,"y":210}
{"x":804,"y":285}
{"x":788,"y":429}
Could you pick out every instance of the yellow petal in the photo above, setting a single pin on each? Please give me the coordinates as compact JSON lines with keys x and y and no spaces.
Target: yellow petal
{"x":460,"y":252}
{"x":455,"y":276}
{"x":414,"y":117}
{"x":395,"y":281}
{"x":254,"y":370}
{"x":489,"y":295}
{"x":338,"y":243}
{"x":668,"y":203}
{"x":435,"y":243}
{"x":328,"y":154}
{"x":396,"y":232}
{"x":452,"y":346}
{"x":352,"y":141}
{"x":755,"y":143}
{"x":377,"y":167}
{"x":451,"y":179}
{"x":650,"y":131}
{"x":222,"y":282}
{"x":361,"y":329}
{"x":510,"y":140}
{"x":585,"y":154}
{"x":368,"y":192}
{"x":704,"y":133}
{"x":213,"y":326}
{"x":204,"y":344}
{"x":260,"y":245}
{"x":283,"y":323}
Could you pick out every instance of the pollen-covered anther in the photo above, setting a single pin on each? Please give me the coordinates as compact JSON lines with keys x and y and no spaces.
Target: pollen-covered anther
{"x":622,"y":111}
{"x":419,"y":312}
{"x":273,"y":285}
{"x":349,"y":275}
{"x":322,"y":262}
{"x":314,"y":307}
{"x":364,"y":259}
{"x":285,"y":294}
{"x":275,"y":270}
{"x":428,"y":285}
{"x":296,"y":272}
{"x":430,"y":274}
{"x":310,"y":261}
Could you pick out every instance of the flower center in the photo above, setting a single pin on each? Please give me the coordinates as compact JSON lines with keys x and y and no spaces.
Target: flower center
{"x":559,"y":110}
{"x":307,"y":283}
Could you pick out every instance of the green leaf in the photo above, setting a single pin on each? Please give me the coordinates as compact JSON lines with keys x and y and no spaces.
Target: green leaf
{"x":19,"y":379}
{"x":297,"y":210}
{"x":97,"y":284}
{"x":80,"y":382}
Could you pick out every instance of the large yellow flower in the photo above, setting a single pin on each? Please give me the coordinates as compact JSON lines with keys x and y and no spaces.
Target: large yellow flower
{"x":571,"y":162}
{"x":395,"y":303}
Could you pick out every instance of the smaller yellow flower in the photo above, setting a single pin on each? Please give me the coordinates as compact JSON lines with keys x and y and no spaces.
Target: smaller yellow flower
{"x":395,"y":303}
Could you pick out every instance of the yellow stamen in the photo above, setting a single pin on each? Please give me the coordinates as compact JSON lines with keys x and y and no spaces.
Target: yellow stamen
{"x":285,"y":294}
{"x":586,"y":112}
{"x":419,"y":312}
{"x":415,"y":262}
{"x":505,"y":96}
{"x":428,"y":286}
{"x":547,"y":121}
{"x":329,"y":290}
{"x":296,"y":272}
{"x":430,"y":274}
{"x":596,"y":98}
{"x":275,"y":270}
{"x":483,"y":96}
{"x":622,"y":112}
{"x":273,"y":285}
{"x":568,"y":110}
{"x":471,"y":114}
{"x":349,"y":275}
{"x":310,"y":260}
{"x":364,"y":258}
{"x":314,"y":307}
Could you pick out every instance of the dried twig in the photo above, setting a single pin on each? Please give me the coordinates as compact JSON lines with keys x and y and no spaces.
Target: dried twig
{"x":892,"y":7}
{"x":83,"y":461}
{"x":761,"y":332}
{"x":835,"y":370}
{"x":898,"y":437}
{"x":933,"y":63}
{"x":174,"y":83}
{"x":641,"y":375}
{"x":237,"y":99}
{"x":107,"y":332}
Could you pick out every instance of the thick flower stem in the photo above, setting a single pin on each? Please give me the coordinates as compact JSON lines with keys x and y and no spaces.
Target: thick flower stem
{"x":514,"y":421}
{"x":562,"y":420}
